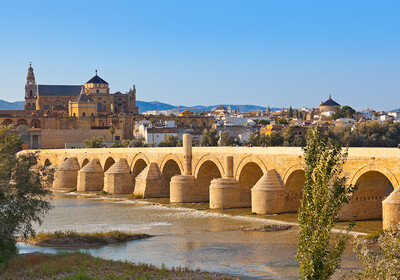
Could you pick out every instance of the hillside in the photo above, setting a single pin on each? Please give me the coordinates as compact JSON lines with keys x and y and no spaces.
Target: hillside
{"x":18,"y":105}
{"x":154,"y":105}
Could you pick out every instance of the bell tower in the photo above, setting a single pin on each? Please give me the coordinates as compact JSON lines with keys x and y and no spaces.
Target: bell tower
{"x":30,"y":90}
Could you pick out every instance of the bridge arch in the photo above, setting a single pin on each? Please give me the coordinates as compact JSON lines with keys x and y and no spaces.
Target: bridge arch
{"x":206,"y":158}
{"x":206,"y":171}
{"x":378,"y":168}
{"x":84,"y":162}
{"x":169,"y":168}
{"x":294,"y":180}
{"x":139,"y":163}
{"x":375,"y":183}
{"x":249,"y":159}
{"x":47,"y":162}
{"x":173,"y":158}
{"x":108,"y":163}
{"x":249,"y":171}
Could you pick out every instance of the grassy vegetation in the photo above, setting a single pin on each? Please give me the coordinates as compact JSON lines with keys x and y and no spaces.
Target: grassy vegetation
{"x":67,"y":238}
{"x":375,"y":234}
{"x":82,"y":266}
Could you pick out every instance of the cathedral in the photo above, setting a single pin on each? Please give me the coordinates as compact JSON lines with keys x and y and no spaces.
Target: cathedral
{"x":91,"y":99}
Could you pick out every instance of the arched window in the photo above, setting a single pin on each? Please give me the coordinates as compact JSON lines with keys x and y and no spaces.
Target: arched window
{"x":99,"y":106}
{"x":97,"y":91}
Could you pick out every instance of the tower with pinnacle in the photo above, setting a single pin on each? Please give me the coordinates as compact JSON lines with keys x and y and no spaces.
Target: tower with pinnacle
{"x":30,"y":90}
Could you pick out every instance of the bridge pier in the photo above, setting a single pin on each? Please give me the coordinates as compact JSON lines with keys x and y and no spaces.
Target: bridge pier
{"x":224,"y":192}
{"x":149,"y":182}
{"x":183,"y":187}
{"x":391,"y":210}
{"x":66,"y":175}
{"x":268,"y":194}
{"x":117,"y":179}
{"x":91,"y":177}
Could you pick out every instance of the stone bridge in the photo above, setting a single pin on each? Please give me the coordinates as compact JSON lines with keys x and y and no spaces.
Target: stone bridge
{"x":270,"y":180}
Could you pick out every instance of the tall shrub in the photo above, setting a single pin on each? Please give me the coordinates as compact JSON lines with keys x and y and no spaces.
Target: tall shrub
{"x":325,"y":191}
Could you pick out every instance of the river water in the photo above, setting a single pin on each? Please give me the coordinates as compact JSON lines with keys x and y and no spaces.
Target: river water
{"x":183,"y":237}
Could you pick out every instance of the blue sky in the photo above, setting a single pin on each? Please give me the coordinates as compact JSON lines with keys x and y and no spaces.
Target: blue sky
{"x":208,"y":52}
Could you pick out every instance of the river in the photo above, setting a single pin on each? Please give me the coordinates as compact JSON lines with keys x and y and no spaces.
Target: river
{"x":183,"y":237}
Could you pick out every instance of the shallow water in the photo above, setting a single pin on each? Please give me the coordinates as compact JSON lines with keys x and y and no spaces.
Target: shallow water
{"x":204,"y":239}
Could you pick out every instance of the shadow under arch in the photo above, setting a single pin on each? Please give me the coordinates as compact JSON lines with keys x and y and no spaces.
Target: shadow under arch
{"x":169,"y":169}
{"x":249,"y":175}
{"x":139,"y":163}
{"x":108,"y":163}
{"x":373,"y":187}
{"x":84,"y":162}
{"x":205,"y":158}
{"x":249,"y":159}
{"x":206,"y":172}
{"x":294,"y":181}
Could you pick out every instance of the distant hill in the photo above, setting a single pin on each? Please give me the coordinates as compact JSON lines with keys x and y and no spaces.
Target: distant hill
{"x":18,"y":105}
{"x":154,"y":105}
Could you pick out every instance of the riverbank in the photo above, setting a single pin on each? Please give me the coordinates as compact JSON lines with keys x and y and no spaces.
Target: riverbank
{"x":78,"y":265}
{"x":73,"y":239}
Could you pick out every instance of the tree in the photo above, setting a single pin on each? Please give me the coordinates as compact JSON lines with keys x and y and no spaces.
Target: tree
{"x":139,"y":142}
{"x":263,"y":122}
{"x":22,"y":193}
{"x":344,"y":112}
{"x":382,"y":261}
{"x":209,"y":137}
{"x":290,"y":112}
{"x":324,"y":193}
{"x":170,"y":141}
{"x":288,"y":134}
{"x":94,"y":142}
{"x":112,"y":132}
{"x":227,"y":140}
{"x":282,"y":121}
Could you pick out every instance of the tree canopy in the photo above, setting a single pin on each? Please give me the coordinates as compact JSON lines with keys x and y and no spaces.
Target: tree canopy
{"x":23,"y":193}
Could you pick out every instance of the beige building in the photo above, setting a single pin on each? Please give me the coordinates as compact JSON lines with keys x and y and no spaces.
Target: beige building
{"x":329,"y":105}
{"x":56,"y":98}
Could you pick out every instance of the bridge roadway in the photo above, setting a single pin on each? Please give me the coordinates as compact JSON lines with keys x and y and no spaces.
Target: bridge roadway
{"x":276,"y":175}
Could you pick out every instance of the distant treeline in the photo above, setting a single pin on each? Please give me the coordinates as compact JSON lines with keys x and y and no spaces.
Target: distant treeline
{"x":368,"y":134}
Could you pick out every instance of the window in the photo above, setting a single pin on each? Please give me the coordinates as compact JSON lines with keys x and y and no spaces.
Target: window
{"x":92,"y":115}
{"x":99,"y":106}
{"x":83,"y":114}
{"x":46,"y":106}
{"x":97,"y":91}
{"x":117,"y":138}
{"x":74,"y":115}
{"x":104,"y":108}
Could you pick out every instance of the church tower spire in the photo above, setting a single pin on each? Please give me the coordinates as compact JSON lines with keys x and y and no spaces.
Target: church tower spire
{"x":30,"y":90}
